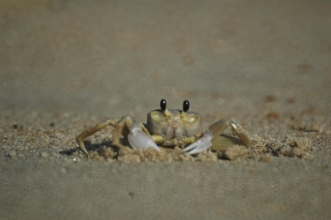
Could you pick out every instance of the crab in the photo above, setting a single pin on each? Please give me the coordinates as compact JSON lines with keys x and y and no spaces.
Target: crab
{"x":170,"y":128}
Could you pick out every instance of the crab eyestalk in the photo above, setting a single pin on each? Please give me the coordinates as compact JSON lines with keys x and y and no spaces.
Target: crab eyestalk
{"x":186,"y":106}
{"x":163,"y":105}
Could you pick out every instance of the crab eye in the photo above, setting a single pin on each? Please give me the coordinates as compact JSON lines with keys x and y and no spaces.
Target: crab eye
{"x":163,"y":104}
{"x":186,"y":105}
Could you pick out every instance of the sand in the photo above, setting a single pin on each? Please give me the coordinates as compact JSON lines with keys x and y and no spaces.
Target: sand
{"x":68,"y":65}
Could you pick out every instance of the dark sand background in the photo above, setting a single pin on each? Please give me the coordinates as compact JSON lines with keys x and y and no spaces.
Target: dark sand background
{"x":66,"y":65}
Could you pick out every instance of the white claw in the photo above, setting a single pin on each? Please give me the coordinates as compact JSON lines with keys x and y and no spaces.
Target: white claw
{"x":139,"y":139}
{"x":202,"y":144}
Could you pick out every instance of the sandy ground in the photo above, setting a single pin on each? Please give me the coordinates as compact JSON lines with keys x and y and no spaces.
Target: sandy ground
{"x":67,"y":65}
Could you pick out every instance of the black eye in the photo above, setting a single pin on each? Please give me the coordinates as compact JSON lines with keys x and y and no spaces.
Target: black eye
{"x":163,"y":104}
{"x":186,"y":106}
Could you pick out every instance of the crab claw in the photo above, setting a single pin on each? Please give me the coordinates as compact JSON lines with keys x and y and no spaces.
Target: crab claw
{"x":202,"y":144}
{"x":139,"y":139}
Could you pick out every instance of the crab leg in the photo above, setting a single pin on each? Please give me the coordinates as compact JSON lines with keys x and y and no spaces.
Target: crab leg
{"x":121,"y":128}
{"x":80,"y":138}
{"x":219,"y":127}
{"x":138,"y":139}
{"x":201,"y":144}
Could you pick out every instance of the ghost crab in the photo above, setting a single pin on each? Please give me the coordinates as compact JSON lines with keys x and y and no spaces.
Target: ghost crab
{"x":169,"y":128}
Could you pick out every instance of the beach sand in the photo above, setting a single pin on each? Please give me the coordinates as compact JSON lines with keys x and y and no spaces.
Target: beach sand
{"x":68,"y":65}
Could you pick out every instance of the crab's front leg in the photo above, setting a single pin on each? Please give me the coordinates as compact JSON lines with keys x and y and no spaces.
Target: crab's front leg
{"x":201,"y":144}
{"x":122,"y":127}
{"x":222,"y":141}
{"x":215,"y":138}
{"x":139,"y":138}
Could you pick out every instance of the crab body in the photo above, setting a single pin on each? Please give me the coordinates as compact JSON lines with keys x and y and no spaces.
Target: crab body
{"x":175,"y":124}
{"x":167,"y":128}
